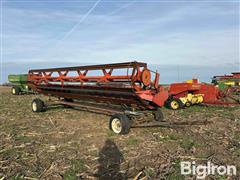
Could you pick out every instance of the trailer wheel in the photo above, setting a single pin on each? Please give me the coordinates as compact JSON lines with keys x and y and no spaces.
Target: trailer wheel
{"x":188,"y":104}
{"x":37,"y":105}
{"x":119,"y":124}
{"x":15,"y":90}
{"x":158,"y":115}
{"x":68,"y":100}
{"x":175,"y":104}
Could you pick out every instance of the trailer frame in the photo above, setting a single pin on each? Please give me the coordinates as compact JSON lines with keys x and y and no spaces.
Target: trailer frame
{"x":134,"y":92}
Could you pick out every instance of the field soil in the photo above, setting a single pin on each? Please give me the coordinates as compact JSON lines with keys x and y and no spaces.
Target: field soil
{"x":65,"y":143}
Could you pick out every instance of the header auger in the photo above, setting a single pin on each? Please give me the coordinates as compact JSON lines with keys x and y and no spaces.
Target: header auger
{"x":122,"y":90}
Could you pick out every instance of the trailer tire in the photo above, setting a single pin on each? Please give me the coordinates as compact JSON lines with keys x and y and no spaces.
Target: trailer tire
{"x":16,"y":90}
{"x":68,"y":100}
{"x":158,"y":115}
{"x":37,"y":105}
{"x":119,"y":124}
{"x":188,"y":104}
{"x":175,"y":104}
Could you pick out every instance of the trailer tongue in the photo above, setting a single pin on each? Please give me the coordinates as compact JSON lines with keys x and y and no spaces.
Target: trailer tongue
{"x":122,"y":90}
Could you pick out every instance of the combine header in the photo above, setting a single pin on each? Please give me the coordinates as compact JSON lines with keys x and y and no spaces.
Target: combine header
{"x":126,"y":91}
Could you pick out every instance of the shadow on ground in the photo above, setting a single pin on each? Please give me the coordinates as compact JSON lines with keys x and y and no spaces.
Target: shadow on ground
{"x":110,"y":159}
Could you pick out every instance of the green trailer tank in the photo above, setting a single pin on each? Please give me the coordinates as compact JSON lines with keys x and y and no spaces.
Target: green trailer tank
{"x":19,"y":84}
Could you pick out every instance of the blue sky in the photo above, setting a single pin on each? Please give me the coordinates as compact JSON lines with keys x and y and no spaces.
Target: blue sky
{"x":168,"y":33}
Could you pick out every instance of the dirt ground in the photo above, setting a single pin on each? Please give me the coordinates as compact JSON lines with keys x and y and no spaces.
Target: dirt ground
{"x":64,"y":143}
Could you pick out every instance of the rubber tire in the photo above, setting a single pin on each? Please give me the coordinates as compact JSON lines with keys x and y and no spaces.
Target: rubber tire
{"x":158,"y":115}
{"x":40,"y":105}
{"x":17,"y":90}
{"x":125,"y":123}
{"x":180,"y":104}
{"x":188,"y":104}
{"x":68,"y":100}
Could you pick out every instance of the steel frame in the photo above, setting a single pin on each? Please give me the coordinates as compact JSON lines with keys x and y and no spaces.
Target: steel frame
{"x":40,"y":76}
{"x":134,"y":88}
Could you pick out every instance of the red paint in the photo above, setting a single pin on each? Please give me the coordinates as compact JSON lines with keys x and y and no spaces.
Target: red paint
{"x":133,"y":87}
{"x":211,"y":94}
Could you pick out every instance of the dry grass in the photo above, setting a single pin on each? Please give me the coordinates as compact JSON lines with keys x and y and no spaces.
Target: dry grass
{"x":71,"y":144}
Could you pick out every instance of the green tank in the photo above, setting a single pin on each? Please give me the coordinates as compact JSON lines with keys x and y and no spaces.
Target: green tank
{"x":19,"y":84}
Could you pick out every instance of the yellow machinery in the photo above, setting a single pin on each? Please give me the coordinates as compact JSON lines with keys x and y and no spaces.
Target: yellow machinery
{"x":184,"y":94}
{"x":191,"y":99}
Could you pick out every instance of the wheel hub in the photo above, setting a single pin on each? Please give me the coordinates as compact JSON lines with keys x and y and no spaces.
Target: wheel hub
{"x":34,"y":106}
{"x":174,"y":105}
{"x":116,"y":125}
